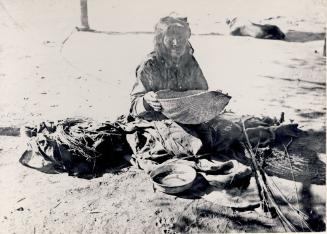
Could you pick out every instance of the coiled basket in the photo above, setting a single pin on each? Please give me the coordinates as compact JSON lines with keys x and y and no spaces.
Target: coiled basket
{"x":192,"y":106}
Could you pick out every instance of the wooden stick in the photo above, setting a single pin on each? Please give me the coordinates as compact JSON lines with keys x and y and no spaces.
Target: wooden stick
{"x":267,"y":197}
{"x":84,"y":15}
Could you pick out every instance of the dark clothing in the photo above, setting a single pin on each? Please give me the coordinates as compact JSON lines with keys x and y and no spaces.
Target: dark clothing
{"x":159,"y":73}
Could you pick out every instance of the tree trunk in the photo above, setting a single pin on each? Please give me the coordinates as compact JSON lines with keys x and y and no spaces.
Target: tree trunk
{"x":324,"y":51}
{"x":84,"y":17}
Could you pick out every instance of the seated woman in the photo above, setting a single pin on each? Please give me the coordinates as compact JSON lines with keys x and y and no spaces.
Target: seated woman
{"x":172,"y":66}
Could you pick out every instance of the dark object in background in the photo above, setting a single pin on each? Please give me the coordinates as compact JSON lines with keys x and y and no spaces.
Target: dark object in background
{"x":247,"y":28}
{"x":9,"y":131}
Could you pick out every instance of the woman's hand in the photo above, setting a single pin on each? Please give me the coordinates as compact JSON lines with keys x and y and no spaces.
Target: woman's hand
{"x":151,"y":99}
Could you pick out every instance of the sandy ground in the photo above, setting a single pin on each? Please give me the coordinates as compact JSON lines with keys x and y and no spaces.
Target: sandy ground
{"x":91,"y":74}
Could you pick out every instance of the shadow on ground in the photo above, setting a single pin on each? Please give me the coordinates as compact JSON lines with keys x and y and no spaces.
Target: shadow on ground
{"x":303,"y":158}
{"x":301,"y":163}
{"x":298,"y":36}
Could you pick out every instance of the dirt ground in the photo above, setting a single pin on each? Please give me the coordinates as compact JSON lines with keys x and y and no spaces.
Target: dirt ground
{"x":44,"y":76}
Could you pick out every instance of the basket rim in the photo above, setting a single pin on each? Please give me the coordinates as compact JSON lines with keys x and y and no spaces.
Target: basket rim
{"x":193,"y":95}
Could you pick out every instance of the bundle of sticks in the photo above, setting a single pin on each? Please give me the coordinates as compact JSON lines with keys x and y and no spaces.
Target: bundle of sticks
{"x":269,"y":190}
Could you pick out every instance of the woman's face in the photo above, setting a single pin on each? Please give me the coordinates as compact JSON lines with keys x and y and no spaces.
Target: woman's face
{"x":175,"y":41}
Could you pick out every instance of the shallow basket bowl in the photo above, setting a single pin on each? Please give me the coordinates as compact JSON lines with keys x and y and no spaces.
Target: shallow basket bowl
{"x":192,"y":106}
{"x":173,"y":178}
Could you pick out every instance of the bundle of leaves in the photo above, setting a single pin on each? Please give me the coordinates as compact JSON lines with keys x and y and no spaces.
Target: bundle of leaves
{"x":97,"y":145}
{"x":81,"y":147}
{"x":91,"y":140}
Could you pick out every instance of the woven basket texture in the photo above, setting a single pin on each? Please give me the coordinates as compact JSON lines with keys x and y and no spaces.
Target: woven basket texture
{"x":192,"y":106}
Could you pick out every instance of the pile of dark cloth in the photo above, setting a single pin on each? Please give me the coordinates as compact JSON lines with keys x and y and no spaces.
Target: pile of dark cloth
{"x":80,"y":147}
{"x":86,"y":148}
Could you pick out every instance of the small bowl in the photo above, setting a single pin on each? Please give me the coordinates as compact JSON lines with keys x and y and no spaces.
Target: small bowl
{"x":192,"y":106}
{"x":173,"y":178}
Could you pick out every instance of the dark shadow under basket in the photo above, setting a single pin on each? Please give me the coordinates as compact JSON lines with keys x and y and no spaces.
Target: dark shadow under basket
{"x":193,"y":106}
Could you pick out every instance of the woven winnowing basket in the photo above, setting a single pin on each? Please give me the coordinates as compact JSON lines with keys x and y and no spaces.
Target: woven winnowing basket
{"x":193,"y":106}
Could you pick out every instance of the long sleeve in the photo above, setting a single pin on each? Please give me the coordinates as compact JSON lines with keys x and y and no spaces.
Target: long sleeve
{"x":137,"y":100}
{"x":137,"y":96}
{"x":144,"y":79}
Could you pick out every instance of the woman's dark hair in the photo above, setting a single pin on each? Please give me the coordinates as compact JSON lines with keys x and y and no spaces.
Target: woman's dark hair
{"x":162,"y":27}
